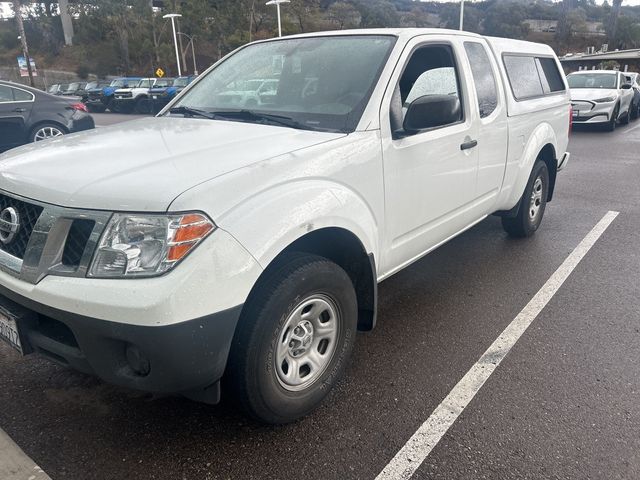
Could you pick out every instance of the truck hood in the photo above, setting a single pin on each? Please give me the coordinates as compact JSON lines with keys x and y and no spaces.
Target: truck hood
{"x":592,"y":93}
{"x":143,"y":165}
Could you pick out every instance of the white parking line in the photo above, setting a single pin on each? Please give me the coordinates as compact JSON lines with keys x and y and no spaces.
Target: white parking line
{"x":631,"y":129}
{"x":419,"y":446}
{"x":14,"y":463}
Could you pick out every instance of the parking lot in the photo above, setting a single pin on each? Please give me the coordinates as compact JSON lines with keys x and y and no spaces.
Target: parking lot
{"x":562,"y":404}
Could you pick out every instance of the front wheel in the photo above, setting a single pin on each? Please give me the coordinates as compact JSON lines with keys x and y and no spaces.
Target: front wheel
{"x":532,"y":204}
{"x":613,"y":121}
{"x":294,"y":339}
{"x":627,"y":117}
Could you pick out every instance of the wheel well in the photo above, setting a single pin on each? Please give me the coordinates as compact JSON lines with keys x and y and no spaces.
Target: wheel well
{"x":345,"y":249}
{"x":548,"y":155}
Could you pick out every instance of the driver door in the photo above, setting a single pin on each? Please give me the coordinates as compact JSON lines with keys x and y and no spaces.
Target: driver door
{"x":429,"y":176}
{"x":15,"y":107}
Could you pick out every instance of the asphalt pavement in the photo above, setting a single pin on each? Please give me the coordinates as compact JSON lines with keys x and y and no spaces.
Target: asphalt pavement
{"x":564,"y":402}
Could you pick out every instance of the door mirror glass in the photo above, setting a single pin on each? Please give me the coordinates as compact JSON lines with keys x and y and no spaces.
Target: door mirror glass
{"x":431,"y":111}
{"x":626,"y":86}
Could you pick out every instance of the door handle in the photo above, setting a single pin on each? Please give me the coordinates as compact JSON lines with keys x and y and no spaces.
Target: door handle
{"x":19,"y":110}
{"x":468,"y":145}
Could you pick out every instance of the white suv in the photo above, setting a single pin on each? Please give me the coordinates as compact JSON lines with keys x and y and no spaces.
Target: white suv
{"x":136,"y":98}
{"x":164,"y":253}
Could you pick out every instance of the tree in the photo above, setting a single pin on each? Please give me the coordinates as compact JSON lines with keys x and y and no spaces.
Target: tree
{"x":612,"y":24}
{"x":343,"y":15}
{"x":377,"y":13}
{"x":506,"y":20}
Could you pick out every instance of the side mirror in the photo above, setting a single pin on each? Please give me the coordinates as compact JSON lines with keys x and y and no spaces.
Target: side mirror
{"x":626,"y":86}
{"x":431,"y":111}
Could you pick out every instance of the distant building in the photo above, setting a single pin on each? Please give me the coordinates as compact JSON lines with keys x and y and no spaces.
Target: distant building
{"x":590,"y":28}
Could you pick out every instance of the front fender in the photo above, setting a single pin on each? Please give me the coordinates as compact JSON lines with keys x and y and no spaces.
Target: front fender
{"x":520,"y":165}
{"x":271,"y":220}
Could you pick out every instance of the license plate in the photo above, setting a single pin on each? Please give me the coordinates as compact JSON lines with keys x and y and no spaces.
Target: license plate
{"x":9,"y":331}
{"x":155,"y":97}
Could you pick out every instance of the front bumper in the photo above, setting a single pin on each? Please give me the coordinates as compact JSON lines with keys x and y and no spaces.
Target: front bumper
{"x":591,"y":112}
{"x":186,"y":358}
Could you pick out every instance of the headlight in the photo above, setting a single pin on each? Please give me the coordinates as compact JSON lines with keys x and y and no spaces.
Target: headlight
{"x":605,"y":100}
{"x":147,"y":245}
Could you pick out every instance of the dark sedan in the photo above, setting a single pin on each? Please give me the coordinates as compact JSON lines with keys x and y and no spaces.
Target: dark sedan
{"x":30,"y":115}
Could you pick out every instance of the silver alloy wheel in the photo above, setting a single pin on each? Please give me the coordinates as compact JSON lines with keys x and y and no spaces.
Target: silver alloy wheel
{"x":536,"y":200}
{"x":307,"y":342}
{"x":45,"y":133}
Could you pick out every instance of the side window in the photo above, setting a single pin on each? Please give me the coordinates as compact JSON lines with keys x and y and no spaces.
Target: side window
{"x":427,"y":95}
{"x":22,"y":96}
{"x":549,"y":74}
{"x":6,"y":94}
{"x":483,"y":77}
{"x":523,"y":76}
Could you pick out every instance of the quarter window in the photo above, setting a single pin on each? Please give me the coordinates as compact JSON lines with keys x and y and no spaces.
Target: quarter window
{"x":6,"y":94}
{"x":21,"y":95}
{"x":483,"y":78}
{"x":531,"y":76}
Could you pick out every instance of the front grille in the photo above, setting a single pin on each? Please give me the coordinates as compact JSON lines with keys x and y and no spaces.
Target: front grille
{"x":76,"y":243}
{"x":28,"y":215}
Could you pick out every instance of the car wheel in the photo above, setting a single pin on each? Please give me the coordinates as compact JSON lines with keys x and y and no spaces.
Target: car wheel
{"x":627,"y":117}
{"x":96,"y":108}
{"x":611,"y":125}
{"x":532,"y":204}
{"x":634,"y":111}
{"x":45,"y":131}
{"x":143,"y":106}
{"x":294,"y":339}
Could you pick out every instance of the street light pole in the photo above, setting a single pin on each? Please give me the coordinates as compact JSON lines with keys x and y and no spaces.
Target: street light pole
{"x":173,"y":17}
{"x":277,"y":4}
{"x":193,"y":51}
{"x":17,"y":8}
{"x":461,"y":14}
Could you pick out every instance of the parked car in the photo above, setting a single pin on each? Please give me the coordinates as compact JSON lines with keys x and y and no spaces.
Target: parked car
{"x":74,"y":89}
{"x":634,"y":80}
{"x":30,"y":115}
{"x":54,"y":89}
{"x":162,"y":94}
{"x":248,"y":93}
{"x":250,"y":242}
{"x":600,"y":97}
{"x":95,"y":85}
{"x":134,"y":98}
{"x":100,"y":99}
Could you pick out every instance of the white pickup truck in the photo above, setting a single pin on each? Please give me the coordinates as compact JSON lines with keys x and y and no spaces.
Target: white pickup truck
{"x":165,"y":253}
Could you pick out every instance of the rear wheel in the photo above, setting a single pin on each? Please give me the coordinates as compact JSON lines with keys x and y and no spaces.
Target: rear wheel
{"x":294,"y":339}
{"x":143,"y":106}
{"x":45,"y":131}
{"x":532,"y":204}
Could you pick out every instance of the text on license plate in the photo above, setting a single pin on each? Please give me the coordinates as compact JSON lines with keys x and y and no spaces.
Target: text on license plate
{"x":9,"y":332}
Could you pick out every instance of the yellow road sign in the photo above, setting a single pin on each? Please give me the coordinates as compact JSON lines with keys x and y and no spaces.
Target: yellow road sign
{"x":159,"y":73}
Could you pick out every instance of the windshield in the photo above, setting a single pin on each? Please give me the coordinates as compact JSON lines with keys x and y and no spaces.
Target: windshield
{"x":163,"y":82}
{"x":181,"y":82}
{"x":321,"y":83}
{"x":91,"y":85}
{"x":592,"y":80}
{"x":73,"y":86}
{"x":117,"y":83}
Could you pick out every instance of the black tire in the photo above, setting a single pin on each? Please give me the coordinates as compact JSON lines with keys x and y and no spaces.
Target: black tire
{"x":50,"y":126}
{"x":96,"y":108}
{"x":253,"y":372}
{"x":634,"y":111}
{"x":524,"y":224}
{"x":611,"y":125}
{"x":143,"y":106}
{"x":627,"y":117}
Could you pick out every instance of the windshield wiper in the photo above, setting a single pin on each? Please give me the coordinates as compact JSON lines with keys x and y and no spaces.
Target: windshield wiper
{"x":251,"y":115}
{"x":193,"y":112}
